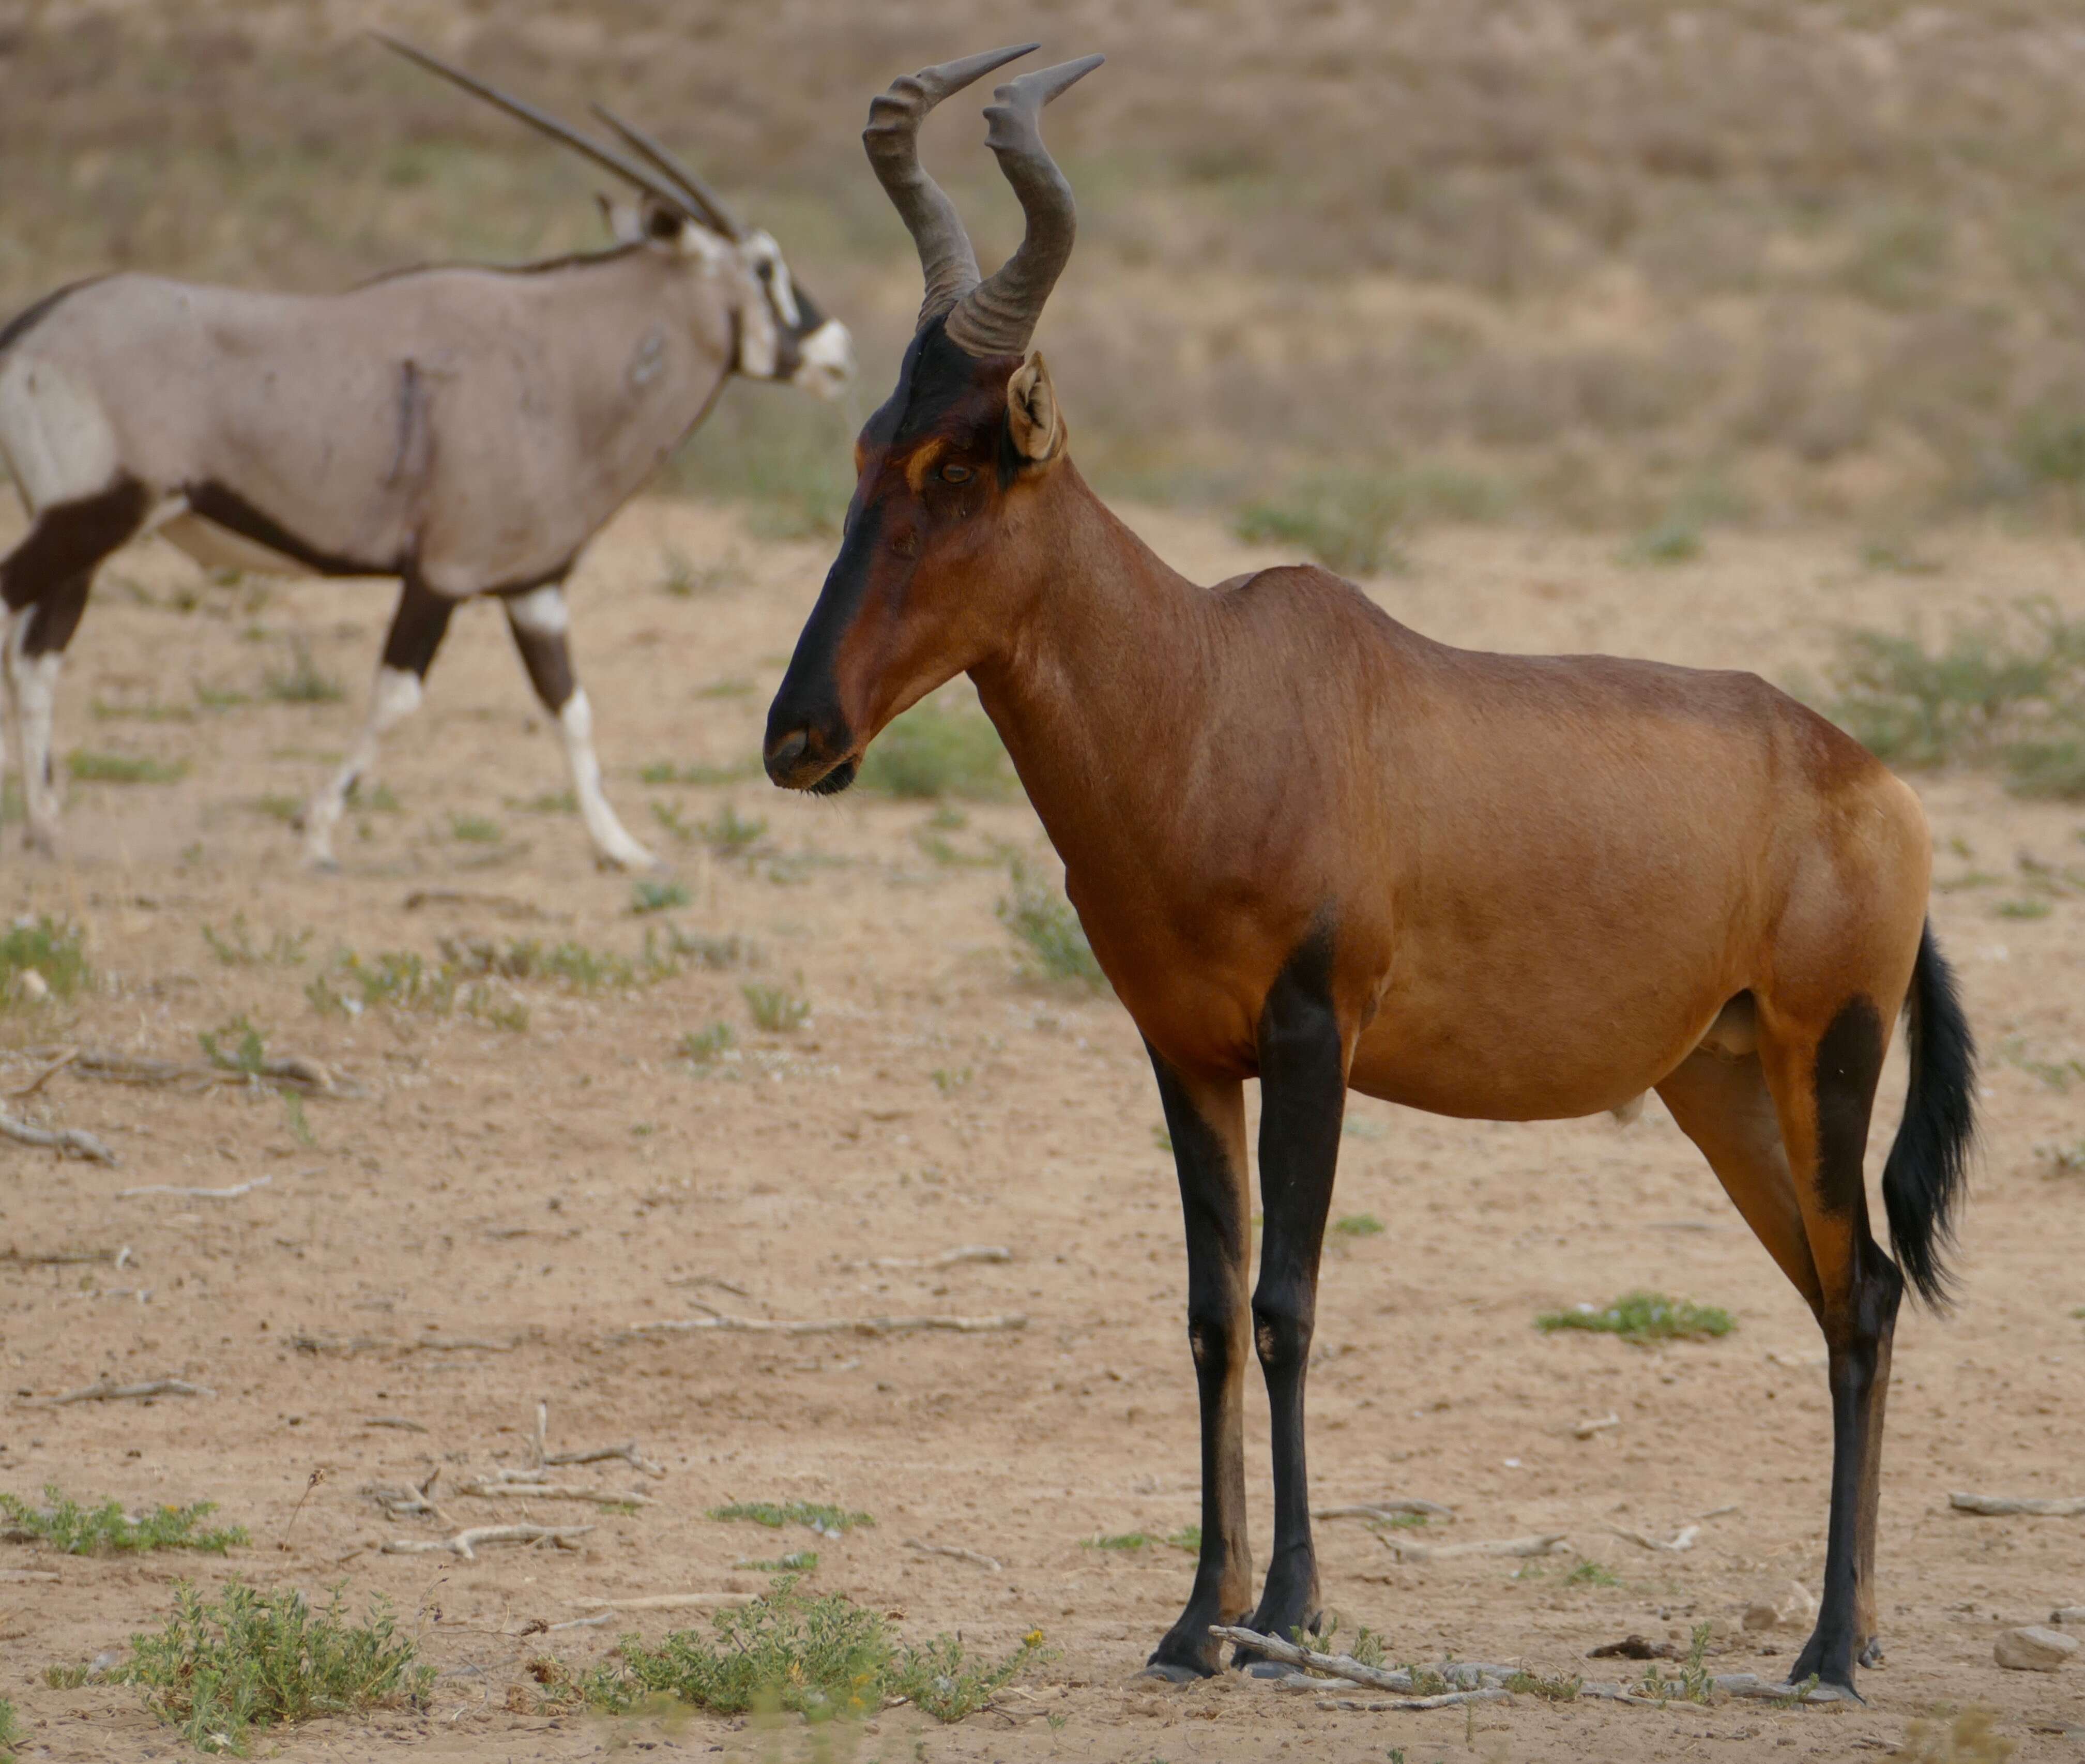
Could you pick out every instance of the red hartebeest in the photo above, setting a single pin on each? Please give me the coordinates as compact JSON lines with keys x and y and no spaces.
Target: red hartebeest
{"x":1312,"y":847}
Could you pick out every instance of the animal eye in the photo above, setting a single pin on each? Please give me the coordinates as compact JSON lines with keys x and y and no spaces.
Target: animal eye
{"x":955,"y":474}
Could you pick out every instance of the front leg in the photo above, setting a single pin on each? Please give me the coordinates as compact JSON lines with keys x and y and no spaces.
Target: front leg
{"x":1207,"y":1123}
{"x":1303,"y":1099}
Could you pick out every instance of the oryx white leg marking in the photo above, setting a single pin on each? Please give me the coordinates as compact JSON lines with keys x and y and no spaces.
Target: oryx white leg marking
{"x":33,"y":683}
{"x":540,"y":619}
{"x":394,"y":698}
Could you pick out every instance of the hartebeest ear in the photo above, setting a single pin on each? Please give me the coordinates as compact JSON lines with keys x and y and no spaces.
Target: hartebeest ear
{"x":1032,"y":417}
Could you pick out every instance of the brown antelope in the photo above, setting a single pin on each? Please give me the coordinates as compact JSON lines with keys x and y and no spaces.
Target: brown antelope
{"x":466,"y":429}
{"x":1312,"y":847}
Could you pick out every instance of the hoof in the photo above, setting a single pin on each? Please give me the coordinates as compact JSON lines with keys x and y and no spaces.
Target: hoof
{"x":1166,"y":1672}
{"x":1871,"y":1655}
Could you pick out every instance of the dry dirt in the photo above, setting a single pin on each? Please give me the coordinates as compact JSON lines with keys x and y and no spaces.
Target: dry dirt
{"x":542,"y":1191}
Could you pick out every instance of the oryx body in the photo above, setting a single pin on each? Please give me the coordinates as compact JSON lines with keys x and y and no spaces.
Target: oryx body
{"x":464,"y":429}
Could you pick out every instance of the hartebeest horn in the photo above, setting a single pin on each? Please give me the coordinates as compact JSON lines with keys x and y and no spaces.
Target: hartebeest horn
{"x":606,"y":157}
{"x":709,"y":204}
{"x":998,"y":316}
{"x":892,"y":138}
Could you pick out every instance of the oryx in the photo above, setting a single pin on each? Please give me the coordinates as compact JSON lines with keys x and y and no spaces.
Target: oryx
{"x":465,"y":429}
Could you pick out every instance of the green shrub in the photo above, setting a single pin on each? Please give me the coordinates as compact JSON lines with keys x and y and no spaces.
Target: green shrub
{"x":933,"y":751}
{"x":53,"y":950}
{"x":775,"y":1010}
{"x":649,"y":896}
{"x":1642,"y":1317}
{"x":253,"y":1659}
{"x":1042,"y":918}
{"x":90,"y":767}
{"x":64,"y":1525}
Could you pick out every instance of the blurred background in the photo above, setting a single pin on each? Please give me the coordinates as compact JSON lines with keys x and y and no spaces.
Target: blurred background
{"x":1345,"y":270}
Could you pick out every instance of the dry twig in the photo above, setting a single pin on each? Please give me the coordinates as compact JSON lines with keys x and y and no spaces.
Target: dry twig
{"x":2000,"y":1505}
{"x":1545,"y":1544}
{"x":518,"y":1489}
{"x":399,"y":1422}
{"x":1684,"y":1540}
{"x":105,"y":1391}
{"x":966,"y":1252}
{"x":65,"y":1057}
{"x":232,"y":1193}
{"x":1383,"y":1511}
{"x":74,"y":1141}
{"x":970,"y":1556}
{"x":827,"y":1326}
{"x":466,"y":1542}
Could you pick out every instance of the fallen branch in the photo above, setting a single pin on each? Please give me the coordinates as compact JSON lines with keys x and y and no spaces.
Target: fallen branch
{"x":1383,"y":1511}
{"x":668,"y":1601}
{"x":296,"y":1072}
{"x":105,"y":1392}
{"x":64,"y":1258}
{"x":399,"y":1422}
{"x":967,"y":1252}
{"x":472,"y":1538}
{"x":232,"y":1193}
{"x":2000,"y":1505}
{"x":1451,"y":1699}
{"x":970,"y":1556}
{"x":627,"y":1452}
{"x":74,"y":1141}
{"x":832,"y":1326}
{"x":550,"y":1491}
{"x":1683,"y":1540}
{"x":64,"y":1058}
{"x":404,"y":1502}
{"x":1546,"y":1544}
{"x":1292,"y":1654}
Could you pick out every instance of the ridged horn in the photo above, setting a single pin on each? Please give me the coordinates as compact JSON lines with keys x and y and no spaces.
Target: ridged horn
{"x":709,"y":204}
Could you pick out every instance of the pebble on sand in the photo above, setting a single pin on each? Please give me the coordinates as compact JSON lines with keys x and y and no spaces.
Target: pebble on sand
{"x":2034,"y":1649}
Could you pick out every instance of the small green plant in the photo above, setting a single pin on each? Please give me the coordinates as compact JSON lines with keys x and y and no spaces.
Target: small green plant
{"x":90,"y":767}
{"x":717,"y":954}
{"x":1641,"y":1317}
{"x":1677,"y":539}
{"x":304,"y":683}
{"x":64,"y":1525}
{"x":649,"y":896}
{"x":822,"y":1658}
{"x":548,"y":802}
{"x":949,"y":1080}
{"x":1358,"y":1225}
{"x":1121,"y":1540}
{"x":296,"y":1120}
{"x":704,"y":1046}
{"x":1592,"y":1573}
{"x":2034,"y":908}
{"x":828,"y":1521}
{"x":1524,"y":1683}
{"x":774,"y":1009}
{"x":219,"y":698}
{"x":10,"y":1730}
{"x":236,"y":1046}
{"x":1041,"y":917}
{"x":1189,"y":1538}
{"x":797,"y":1562}
{"x":934,"y":751}
{"x":728,"y":834}
{"x":236,"y":948}
{"x":41,"y":945}
{"x":1692,"y":1683}
{"x":1347,"y":520}
{"x":475,"y":830}
{"x":252,"y":1659}
{"x":481,"y":1003}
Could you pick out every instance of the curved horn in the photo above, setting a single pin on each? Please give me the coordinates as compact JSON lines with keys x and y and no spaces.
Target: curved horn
{"x":707,"y":201}
{"x":998,"y":317}
{"x":606,"y":157}
{"x":892,"y":139}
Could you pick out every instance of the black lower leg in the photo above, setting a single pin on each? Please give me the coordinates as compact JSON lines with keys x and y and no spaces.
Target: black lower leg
{"x":1206,"y":1125}
{"x":417,"y":628}
{"x":538,"y":621}
{"x":68,"y":540}
{"x":1302,"y":1078}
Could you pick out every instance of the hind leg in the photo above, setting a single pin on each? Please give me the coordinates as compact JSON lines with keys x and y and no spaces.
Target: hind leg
{"x":44,"y":584}
{"x":1823,"y":1086}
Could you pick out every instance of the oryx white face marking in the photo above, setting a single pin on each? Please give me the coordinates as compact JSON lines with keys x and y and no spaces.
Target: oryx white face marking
{"x":763,"y":257}
{"x":827,"y":363}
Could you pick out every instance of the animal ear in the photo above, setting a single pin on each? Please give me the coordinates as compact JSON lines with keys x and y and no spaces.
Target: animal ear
{"x":1033,"y":419}
{"x":626,"y":226}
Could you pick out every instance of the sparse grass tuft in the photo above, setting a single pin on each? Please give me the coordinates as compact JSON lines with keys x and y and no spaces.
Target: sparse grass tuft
{"x":705,"y":1046}
{"x":64,"y":1525}
{"x":775,"y":1010}
{"x":1120,"y":1540}
{"x":1526,"y":1684}
{"x":1345,"y":520}
{"x":236,"y":1046}
{"x":475,"y":830}
{"x":1675,"y":539}
{"x":932,"y":751}
{"x":253,"y":1659}
{"x":1043,"y":920}
{"x":649,"y":896}
{"x":728,"y":834}
{"x":53,"y":951}
{"x":822,"y":1658}
{"x":278,"y":807}
{"x":91,"y":768}
{"x":1643,"y":1317}
{"x":238,"y":949}
{"x":1358,"y":1225}
{"x":828,"y":1521}
{"x":1592,"y":1573}
{"x":304,"y":682}
{"x":10,"y":1730}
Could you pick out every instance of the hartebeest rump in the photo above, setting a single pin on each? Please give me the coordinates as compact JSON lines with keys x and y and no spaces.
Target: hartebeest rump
{"x":1313,"y":847}
{"x":467,"y":429}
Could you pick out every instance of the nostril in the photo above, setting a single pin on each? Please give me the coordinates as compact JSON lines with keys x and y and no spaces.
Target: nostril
{"x":782,"y":757}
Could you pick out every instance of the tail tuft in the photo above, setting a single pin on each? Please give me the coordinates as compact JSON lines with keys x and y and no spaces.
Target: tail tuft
{"x":1929,"y":1166}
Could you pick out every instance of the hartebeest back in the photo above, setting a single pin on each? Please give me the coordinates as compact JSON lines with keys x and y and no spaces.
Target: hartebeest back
{"x":466,"y":429}
{"x":1313,"y":847}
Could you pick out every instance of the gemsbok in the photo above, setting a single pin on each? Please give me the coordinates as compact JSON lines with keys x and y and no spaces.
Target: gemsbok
{"x":466,"y":429}
{"x":1312,"y":847}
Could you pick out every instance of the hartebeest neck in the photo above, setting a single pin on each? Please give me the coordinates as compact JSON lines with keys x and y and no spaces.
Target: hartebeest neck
{"x":1094,"y":683}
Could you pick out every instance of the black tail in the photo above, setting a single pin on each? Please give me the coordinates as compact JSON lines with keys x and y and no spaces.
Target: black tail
{"x":1928,"y":1165}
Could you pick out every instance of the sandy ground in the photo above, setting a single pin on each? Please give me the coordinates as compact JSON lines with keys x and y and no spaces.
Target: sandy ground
{"x":540,"y":1192}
